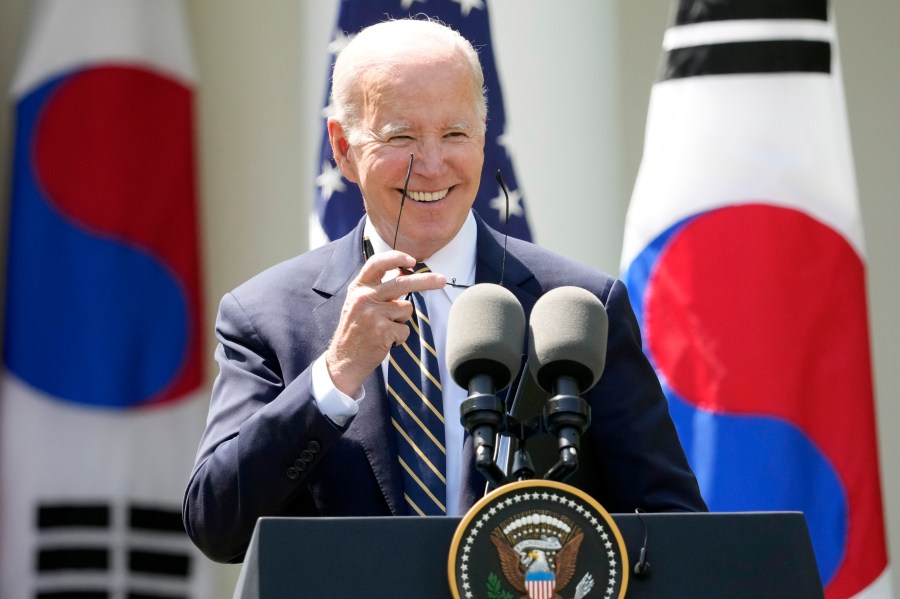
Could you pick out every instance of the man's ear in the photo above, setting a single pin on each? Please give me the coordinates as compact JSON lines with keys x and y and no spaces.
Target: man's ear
{"x":340,"y":149}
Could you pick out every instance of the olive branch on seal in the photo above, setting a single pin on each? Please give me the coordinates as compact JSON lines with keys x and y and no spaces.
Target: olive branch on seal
{"x":495,"y":588}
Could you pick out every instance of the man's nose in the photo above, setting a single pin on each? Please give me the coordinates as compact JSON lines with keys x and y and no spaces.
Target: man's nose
{"x":429,"y":159}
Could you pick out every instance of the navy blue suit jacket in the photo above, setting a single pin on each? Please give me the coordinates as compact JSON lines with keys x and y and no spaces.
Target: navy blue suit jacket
{"x":268,"y":451}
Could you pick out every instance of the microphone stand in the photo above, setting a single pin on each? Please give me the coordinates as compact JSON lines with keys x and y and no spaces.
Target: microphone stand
{"x":482,"y":414}
{"x":566,"y":416}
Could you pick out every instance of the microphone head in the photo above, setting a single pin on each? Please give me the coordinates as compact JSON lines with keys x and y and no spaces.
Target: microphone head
{"x":485,"y":335}
{"x":568,"y":328}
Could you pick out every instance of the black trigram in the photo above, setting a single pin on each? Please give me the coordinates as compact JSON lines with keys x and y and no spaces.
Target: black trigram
{"x":105,"y":551}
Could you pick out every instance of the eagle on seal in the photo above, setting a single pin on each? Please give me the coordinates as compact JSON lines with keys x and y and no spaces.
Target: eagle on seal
{"x":534,"y":566}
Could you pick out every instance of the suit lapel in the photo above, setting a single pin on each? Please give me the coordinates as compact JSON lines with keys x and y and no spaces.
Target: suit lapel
{"x":491,"y":266}
{"x":371,"y":427}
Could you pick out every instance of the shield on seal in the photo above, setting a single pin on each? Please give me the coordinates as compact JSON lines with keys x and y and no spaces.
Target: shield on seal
{"x":540,"y":585}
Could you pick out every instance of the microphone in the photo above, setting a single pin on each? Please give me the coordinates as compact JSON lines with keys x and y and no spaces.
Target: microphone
{"x":485,"y":337}
{"x":566,"y":356}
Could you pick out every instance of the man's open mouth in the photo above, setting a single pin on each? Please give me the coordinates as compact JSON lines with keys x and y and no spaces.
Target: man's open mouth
{"x":428,"y":196}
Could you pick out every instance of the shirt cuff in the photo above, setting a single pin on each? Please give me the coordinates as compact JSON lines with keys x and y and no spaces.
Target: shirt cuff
{"x":339,"y":407}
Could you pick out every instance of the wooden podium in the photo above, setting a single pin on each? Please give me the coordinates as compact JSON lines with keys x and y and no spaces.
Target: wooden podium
{"x":693,"y":556}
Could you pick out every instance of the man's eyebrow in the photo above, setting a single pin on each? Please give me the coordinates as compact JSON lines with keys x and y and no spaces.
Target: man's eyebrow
{"x":391,"y":129}
{"x":402,"y":128}
{"x":460,"y":126}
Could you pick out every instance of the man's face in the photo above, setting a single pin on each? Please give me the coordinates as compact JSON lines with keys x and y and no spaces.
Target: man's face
{"x":426,"y":109}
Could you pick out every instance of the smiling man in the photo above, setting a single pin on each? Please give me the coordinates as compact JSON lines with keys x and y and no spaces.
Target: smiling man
{"x":314,"y":413}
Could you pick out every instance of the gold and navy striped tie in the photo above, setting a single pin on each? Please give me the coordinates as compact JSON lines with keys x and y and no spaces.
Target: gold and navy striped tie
{"x":417,"y":415}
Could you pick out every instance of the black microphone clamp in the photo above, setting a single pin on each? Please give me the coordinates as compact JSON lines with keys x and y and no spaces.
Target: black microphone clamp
{"x":566,"y":416}
{"x":482,"y":415}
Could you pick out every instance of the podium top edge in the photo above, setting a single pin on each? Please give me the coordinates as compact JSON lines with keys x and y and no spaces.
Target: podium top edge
{"x":613,"y":514}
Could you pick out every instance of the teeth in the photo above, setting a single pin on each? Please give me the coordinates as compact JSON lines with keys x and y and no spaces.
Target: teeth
{"x":428,"y":196}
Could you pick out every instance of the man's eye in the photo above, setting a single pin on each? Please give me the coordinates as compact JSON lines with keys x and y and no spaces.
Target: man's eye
{"x":400,"y":138}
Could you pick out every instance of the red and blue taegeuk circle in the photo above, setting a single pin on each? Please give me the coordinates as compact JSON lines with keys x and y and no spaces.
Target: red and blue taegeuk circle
{"x":755,"y":319}
{"x":103,"y":286}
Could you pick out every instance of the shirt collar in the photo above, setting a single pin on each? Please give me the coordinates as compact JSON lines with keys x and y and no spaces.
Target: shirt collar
{"x":456,"y":260}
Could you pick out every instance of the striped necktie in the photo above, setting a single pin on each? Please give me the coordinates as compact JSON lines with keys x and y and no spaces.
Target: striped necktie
{"x":417,"y":415}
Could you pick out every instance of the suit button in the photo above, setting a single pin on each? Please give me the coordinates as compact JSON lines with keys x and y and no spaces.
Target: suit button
{"x":306,"y":455}
{"x":300,"y":465}
{"x":314,"y":446}
{"x":293,"y":473}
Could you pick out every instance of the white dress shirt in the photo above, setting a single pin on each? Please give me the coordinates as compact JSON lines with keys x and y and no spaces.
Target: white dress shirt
{"x":456,"y":261}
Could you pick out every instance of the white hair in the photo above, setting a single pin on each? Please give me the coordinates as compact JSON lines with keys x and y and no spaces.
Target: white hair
{"x":380,"y":46}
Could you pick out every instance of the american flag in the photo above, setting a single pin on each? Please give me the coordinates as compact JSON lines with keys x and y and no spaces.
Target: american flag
{"x":338,"y":203}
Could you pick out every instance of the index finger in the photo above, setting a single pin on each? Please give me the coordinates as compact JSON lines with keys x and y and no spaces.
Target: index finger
{"x":377,"y":266}
{"x":409,"y":283}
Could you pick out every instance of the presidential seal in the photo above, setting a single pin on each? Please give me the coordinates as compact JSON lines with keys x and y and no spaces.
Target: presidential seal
{"x":537,"y":539}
